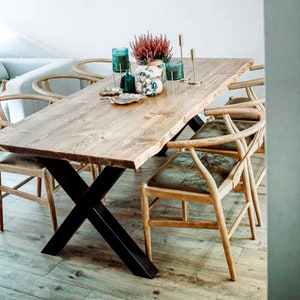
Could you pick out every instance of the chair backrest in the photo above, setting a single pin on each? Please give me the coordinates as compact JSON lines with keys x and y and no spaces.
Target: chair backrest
{"x":92,"y":66}
{"x":256,"y":130}
{"x":3,"y":99}
{"x":257,"y":67}
{"x":61,"y":85}
{"x":249,"y":86}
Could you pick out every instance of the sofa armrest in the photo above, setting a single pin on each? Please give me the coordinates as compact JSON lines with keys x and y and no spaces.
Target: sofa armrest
{"x":22,"y":84}
{"x":19,"y":66}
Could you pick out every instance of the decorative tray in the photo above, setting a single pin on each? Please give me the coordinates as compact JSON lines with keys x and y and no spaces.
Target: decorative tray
{"x":126,"y":98}
{"x":110,"y":92}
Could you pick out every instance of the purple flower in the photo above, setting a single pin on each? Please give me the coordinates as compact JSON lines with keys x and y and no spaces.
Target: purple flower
{"x":146,"y":48}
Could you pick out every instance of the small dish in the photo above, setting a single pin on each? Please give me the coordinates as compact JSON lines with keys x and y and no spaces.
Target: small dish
{"x":110,"y":92}
{"x":127,"y":98}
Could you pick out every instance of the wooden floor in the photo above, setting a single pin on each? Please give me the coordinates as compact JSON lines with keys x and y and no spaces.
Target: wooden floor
{"x":191,"y":263}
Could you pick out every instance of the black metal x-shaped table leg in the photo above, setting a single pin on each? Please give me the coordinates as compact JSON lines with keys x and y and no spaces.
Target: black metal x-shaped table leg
{"x":195,"y":123}
{"x":88,"y":205}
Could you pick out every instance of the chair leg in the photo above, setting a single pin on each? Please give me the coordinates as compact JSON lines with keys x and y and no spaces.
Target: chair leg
{"x":1,"y":207}
{"x":185,"y":210}
{"x":39,"y":187}
{"x":49,"y":191}
{"x":255,"y":199}
{"x":96,"y":169}
{"x":93,"y":169}
{"x":248,"y":192}
{"x":261,"y":177}
{"x":225,"y":239}
{"x":146,"y":218}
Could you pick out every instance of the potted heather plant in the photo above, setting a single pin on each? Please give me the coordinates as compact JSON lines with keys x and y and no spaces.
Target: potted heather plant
{"x":152,"y":51}
{"x":147,"y":48}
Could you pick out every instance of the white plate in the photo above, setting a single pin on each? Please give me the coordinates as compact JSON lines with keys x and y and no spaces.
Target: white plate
{"x":126,"y":98}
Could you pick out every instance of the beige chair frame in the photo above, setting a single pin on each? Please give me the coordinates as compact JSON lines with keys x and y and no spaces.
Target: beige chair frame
{"x":80,"y":66}
{"x":249,"y":86}
{"x":217,"y":193}
{"x":28,"y":166}
{"x":43,"y":86}
{"x":32,"y":168}
{"x":259,"y":149}
{"x":249,"y":100}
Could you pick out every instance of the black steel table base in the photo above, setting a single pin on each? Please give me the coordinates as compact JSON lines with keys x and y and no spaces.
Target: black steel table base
{"x":195,"y":123}
{"x":89,"y":205}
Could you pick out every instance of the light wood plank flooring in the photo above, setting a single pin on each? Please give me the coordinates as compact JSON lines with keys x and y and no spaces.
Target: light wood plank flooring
{"x":191,"y":263}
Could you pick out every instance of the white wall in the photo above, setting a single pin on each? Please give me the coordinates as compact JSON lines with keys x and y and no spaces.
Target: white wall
{"x":90,"y":28}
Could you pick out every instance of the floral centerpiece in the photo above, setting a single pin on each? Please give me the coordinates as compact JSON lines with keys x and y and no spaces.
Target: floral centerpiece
{"x":147,"y":48}
{"x":154,"y":51}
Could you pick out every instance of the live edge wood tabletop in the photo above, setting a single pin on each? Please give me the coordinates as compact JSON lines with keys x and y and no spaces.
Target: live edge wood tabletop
{"x":84,"y":128}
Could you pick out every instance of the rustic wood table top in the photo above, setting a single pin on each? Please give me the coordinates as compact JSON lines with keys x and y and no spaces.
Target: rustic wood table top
{"x":84,"y":128}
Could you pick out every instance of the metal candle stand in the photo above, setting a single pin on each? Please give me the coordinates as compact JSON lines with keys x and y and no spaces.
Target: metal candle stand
{"x":181,"y":55}
{"x":194,"y":82}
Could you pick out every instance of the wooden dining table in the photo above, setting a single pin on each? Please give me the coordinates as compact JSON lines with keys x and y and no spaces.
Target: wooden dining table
{"x":81,"y":127}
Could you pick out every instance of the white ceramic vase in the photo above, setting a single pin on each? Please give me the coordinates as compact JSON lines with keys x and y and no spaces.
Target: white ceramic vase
{"x":162,"y":66}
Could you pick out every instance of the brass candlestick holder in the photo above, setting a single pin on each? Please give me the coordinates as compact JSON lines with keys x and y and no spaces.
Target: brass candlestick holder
{"x":181,"y":55}
{"x":175,"y":83}
{"x":194,"y":82}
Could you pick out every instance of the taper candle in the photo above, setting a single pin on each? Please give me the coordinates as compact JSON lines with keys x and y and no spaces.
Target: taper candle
{"x":193,"y":54}
{"x":193,"y":63}
{"x":180,"y":44}
{"x":180,"y":40}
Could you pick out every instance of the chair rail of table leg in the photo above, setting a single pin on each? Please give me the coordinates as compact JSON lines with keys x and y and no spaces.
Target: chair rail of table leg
{"x":88,"y":205}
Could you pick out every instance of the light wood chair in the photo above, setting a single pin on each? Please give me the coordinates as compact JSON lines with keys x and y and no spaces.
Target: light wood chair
{"x":204,"y":178}
{"x":31,"y":167}
{"x":217,"y":127}
{"x":52,"y":85}
{"x":213,"y":127}
{"x":90,"y":66}
{"x":28,"y":166}
{"x":247,"y":87}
